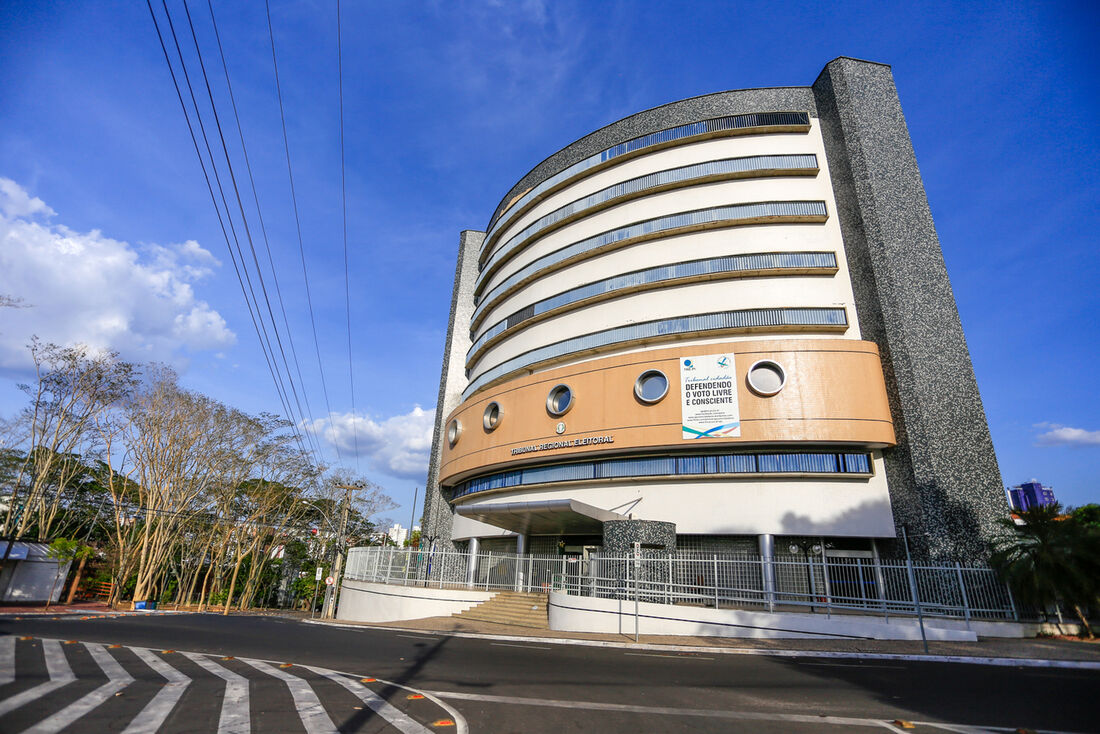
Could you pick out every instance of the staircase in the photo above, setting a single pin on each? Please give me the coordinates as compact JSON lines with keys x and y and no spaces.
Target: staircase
{"x":511,"y":607}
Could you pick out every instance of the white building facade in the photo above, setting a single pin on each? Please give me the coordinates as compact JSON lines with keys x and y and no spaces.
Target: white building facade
{"x":716,"y":325}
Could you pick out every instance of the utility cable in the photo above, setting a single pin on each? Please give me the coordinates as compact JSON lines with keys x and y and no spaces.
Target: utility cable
{"x":260,"y":218}
{"x":244,"y":222}
{"x":257,"y":322}
{"x":298,"y":221}
{"x":344,"y":202}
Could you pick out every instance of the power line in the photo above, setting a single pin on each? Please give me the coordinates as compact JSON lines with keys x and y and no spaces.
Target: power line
{"x":260,"y":217}
{"x":344,"y":203}
{"x":256,"y":324}
{"x":297,"y":220}
{"x":244,"y":218}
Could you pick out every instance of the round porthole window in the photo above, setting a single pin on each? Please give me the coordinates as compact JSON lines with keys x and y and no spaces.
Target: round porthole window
{"x":491,"y":419}
{"x":560,"y":400}
{"x":454,"y":430}
{"x":766,"y":378}
{"x":651,"y":386}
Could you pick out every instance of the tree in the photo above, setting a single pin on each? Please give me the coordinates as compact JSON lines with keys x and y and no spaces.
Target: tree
{"x":72,"y":389}
{"x":65,"y":550}
{"x":1050,"y":559}
{"x":1088,"y":515}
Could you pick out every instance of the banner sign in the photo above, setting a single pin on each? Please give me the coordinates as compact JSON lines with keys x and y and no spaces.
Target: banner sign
{"x":709,"y":394}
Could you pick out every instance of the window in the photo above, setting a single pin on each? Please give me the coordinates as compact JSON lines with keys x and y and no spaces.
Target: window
{"x":491,"y":419}
{"x":651,"y":386}
{"x":454,"y":430}
{"x":560,"y":400}
{"x":855,"y":465}
{"x":766,"y":378}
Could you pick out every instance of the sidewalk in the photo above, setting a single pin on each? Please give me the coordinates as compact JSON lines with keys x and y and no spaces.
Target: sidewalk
{"x":1023,"y":649}
{"x":83,"y":607}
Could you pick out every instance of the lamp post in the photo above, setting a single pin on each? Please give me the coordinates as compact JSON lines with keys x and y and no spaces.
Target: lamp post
{"x":328,"y":608}
{"x":913,"y":587}
{"x":807,"y":546}
{"x":317,"y":580}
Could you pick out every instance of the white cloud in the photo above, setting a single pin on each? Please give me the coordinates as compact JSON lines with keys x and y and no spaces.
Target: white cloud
{"x":398,"y":446}
{"x":88,"y":288}
{"x":1058,"y":435}
{"x":16,"y":202}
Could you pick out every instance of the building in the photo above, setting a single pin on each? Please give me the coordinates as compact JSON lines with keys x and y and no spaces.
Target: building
{"x":398,"y":534}
{"x":29,"y":575}
{"x":723,"y":324}
{"x":1029,"y":495}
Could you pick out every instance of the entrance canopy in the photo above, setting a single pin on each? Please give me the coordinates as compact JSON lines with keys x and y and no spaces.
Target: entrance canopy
{"x":547,"y":517}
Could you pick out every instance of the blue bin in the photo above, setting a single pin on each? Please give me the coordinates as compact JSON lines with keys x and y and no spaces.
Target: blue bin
{"x":147,"y":605}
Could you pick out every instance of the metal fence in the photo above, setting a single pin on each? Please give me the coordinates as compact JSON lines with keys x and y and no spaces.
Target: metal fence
{"x":829,"y":585}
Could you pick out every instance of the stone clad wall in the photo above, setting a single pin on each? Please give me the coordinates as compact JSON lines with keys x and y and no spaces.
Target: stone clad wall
{"x":945,"y":484}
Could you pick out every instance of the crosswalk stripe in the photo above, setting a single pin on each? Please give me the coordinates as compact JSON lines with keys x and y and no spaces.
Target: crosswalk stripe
{"x":60,"y":675}
{"x":310,"y":710}
{"x":7,"y":660}
{"x":157,"y":710}
{"x":117,"y":679}
{"x":377,"y":704}
{"x":235,"y":717}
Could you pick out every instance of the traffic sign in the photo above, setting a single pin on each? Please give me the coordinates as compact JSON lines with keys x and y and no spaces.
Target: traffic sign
{"x":330,"y":581}
{"x":320,"y":573}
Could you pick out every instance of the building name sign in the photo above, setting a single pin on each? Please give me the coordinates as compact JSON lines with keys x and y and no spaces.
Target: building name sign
{"x":566,"y":444}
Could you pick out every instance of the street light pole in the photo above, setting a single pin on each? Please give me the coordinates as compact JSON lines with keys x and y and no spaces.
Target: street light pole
{"x":913,"y":587}
{"x":328,"y":609}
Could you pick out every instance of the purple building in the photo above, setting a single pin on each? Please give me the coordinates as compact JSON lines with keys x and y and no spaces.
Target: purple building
{"x":1030,"y":495}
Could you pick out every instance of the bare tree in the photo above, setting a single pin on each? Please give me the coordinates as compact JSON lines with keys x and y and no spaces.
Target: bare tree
{"x":72,"y":388}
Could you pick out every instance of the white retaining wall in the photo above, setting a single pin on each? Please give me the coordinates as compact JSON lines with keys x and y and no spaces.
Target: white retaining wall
{"x":361,"y":601}
{"x":588,"y":614}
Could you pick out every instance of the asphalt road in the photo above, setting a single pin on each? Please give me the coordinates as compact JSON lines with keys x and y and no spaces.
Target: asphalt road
{"x":502,"y":686}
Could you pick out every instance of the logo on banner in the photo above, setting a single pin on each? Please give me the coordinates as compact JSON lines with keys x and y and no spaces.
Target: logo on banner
{"x":708,"y":392}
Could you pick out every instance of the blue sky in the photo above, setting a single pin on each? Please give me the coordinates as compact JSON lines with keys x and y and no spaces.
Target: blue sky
{"x":109,"y":234}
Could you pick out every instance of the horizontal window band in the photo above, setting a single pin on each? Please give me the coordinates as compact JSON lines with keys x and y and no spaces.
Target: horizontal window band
{"x":723,"y":464}
{"x":718,"y":217}
{"x":727,"y":169}
{"x":769,"y":320}
{"x":715,"y":127}
{"x":731,"y":266}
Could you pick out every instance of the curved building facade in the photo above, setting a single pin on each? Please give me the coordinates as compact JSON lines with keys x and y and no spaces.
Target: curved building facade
{"x":715,"y":325}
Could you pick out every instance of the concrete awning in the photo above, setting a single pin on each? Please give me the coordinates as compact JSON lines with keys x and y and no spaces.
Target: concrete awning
{"x":547,"y":517}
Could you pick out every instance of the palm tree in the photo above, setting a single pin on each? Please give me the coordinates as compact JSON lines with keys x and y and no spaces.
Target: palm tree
{"x":1051,"y":558}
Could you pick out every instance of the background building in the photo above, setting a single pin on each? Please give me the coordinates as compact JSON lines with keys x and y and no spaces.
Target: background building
{"x":723,"y":324}
{"x":1029,"y":495}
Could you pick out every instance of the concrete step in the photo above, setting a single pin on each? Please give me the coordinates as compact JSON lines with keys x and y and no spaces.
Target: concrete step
{"x":509,"y":607}
{"x":518,"y":605}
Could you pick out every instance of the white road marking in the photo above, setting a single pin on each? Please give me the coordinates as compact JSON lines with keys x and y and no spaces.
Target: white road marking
{"x":525,"y":647}
{"x":7,"y":660}
{"x":856,"y":666}
{"x":962,"y":659}
{"x":157,"y":710}
{"x":310,"y":710}
{"x":668,"y":711}
{"x":654,"y":655}
{"x":235,"y":717}
{"x":117,"y":679}
{"x":376,"y":703}
{"x":414,"y":637}
{"x":964,"y":729}
{"x":60,"y":675}
{"x":960,"y":729}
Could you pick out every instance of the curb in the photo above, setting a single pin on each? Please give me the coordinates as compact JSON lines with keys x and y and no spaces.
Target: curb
{"x":963,"y":659}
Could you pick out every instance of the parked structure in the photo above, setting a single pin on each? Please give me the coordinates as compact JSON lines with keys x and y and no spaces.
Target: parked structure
{"x":29,"y":575}
{"x":1029,"y":495}
{"x":720,"y":325}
